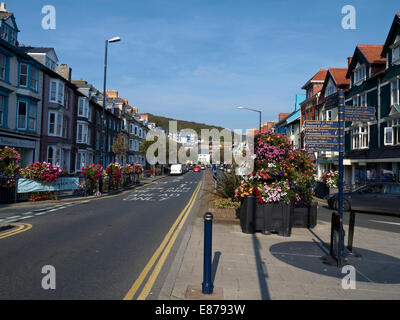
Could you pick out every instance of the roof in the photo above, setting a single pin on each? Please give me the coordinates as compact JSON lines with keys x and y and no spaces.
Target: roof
{"x":339,"y":75}
{"x":5,"y":15}
{"x":372,"y":52}
{"x":318,"y":77}
{"x":38,"y":50}
{"x":392,"y":34}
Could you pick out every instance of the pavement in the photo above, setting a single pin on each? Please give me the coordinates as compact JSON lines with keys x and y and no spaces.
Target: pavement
{"x":264,"y":267}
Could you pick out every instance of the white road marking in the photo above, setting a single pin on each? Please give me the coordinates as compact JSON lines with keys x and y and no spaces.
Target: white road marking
{"x":41,"y":213}
{"x":27,"y":217}
{"x":13,"y":217}
{"x":387,"y":222}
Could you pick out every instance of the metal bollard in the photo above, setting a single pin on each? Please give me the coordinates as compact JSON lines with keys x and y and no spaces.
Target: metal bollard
{"x":207,"y":285}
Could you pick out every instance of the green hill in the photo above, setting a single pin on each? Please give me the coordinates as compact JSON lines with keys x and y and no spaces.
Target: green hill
{"x":163,"y":123}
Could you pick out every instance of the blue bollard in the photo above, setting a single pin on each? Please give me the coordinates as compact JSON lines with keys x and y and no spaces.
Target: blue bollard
{"x":207,"y":285}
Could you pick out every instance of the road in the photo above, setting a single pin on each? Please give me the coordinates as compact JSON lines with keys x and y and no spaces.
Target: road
{"x":101,"y":249}
{"x":385,"y":222}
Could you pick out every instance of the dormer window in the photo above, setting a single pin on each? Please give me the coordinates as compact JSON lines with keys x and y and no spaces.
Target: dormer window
{"x":330,"y":88}
{"x":359,"y":74}
{"x":396,"y":54}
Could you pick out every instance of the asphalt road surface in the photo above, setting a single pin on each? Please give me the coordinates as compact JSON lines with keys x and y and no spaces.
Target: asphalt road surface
{"x":100,"y":249}
{"x":385,"y":222}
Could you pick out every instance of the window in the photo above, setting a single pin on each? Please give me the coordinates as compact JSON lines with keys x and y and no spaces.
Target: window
{"x":22,"y":112}
{"x":395,"y":92}
{"x":80,"y":160}
{"x":3,"y":66}
{"x":4,"y":33}
{"x":32,"y":116}
{"x":66,"y":99}
{"x":396,"y":54}
{"x":392,"y":132}
{"x":82,"y":133}
{"x":136,"y":130}
{"x":54,"y":155}
{"x":23,"y":75}
{"x":56,"y":124}
{"x":83,"y":107}
{"x":2,"y":108}
{"x":13,"y":37}
{"x":57,"y":91}
{"x":131,"y":128}
{"x":359,"y":74}
{"x":360,"y":100}
{"x":360,"y":137}
{"x":331,"y":89}
{"x":131,"y":144}
{"x":65,"y":127}
{"x":34,"y":79}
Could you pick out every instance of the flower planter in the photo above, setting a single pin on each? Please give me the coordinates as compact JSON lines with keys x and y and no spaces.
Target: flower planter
{"x":266,"y":217}
{"x":305,"y":216}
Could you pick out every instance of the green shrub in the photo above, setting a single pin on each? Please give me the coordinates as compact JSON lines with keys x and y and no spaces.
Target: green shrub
{"x":221,"y":203}
{"x":227,"y":183}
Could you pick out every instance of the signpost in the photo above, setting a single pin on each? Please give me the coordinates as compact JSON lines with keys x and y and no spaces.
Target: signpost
{"x":329,"y":136}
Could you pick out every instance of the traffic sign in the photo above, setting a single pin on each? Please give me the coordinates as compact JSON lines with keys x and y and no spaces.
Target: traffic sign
{"x":322,"y":135}
{"x":359,"y":113}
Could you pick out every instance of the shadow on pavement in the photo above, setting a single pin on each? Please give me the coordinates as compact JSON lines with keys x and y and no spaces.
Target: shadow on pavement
{"x":214,"y":266}
{"x":372,"y":266}
{"x":261,"y":269}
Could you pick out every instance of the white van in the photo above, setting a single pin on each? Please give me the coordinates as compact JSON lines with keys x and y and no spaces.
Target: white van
{"x":176,"y":169}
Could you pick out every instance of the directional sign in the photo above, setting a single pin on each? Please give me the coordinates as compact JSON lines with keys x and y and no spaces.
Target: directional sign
{"x":359,"y":113}
{"x":322,"y":135}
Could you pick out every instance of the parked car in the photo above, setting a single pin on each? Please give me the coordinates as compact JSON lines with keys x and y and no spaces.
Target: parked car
{"x":177,"y":169}
{"x":203,"y":167}
{"x":377,"y":197}
{"x":196,"y":169}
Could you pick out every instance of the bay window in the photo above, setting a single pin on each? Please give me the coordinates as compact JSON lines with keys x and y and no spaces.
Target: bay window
{"x":54,"y":155}
{"x":82,"y":135}
{"x":57,"y":89}
{"x":360,"y":100}
{"x":56,"y":124}
{"x":83,"y":107}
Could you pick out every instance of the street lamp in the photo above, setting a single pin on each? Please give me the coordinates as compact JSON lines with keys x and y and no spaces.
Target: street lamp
{"x":240,"y":107}
{"x":103,"y":160}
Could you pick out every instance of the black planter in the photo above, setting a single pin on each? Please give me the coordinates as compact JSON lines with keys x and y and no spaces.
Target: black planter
{"x":266,"y":217}
{"x":321,"y":190}
{"x":305,"y":216}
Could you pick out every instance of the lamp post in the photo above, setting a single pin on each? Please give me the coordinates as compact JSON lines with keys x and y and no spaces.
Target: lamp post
{"x":254,"y":111}
{"x":102,"y":147}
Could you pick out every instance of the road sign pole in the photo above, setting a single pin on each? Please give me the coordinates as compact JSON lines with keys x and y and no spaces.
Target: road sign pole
{"x":341,"y":151}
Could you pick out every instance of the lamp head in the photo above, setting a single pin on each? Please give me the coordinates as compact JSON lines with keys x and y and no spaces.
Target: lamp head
{"x":115,"y":39}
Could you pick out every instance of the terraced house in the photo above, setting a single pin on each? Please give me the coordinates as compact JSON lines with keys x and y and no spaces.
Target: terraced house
{"x":21,"y":85}
{"x":373,"y":148}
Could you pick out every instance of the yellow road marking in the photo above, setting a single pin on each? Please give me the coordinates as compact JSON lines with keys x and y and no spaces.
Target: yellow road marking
{"x":20,"y":227}
{"x":132,"y":291}
{"x":146,"y":289}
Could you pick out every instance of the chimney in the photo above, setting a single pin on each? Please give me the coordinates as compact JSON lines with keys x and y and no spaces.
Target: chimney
{"x":3,"y":7}
{"x":64,"y":71}
{"x":112,"y":93}
{"x":349,"y":61}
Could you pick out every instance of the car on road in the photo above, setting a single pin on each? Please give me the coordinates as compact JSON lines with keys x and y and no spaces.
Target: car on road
{"x":203,"y":167}
{"x":196,"y":169}
{"x":377,"y":197}
{"x":177,"y":169}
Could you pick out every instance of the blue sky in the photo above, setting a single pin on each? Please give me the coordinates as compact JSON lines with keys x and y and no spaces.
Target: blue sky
{"x":199,"y":60}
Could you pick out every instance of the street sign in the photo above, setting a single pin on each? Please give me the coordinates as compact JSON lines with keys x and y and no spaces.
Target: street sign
{"x":359,"y":113}
{"x":321,"y":135}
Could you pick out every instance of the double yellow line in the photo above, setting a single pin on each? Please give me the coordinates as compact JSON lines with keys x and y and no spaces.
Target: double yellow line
{"x":20,"y":227}
{"x":166,"y":244}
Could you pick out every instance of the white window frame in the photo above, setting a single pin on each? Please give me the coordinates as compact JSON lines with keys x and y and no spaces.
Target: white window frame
{"x":34,"y":80}
{"x":85,"y":134}
{"x":32,"y":116}
{"x":21,"y":74}
{"x":58,"y":124}
{"x":83,"y":105}
{"x":56,"y":96}
{"x":360,"y":137}
{"x":359,"y":74}
{"x":395,"y":92}
{"x":393,"y":128}
{"x":57,"y":155}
